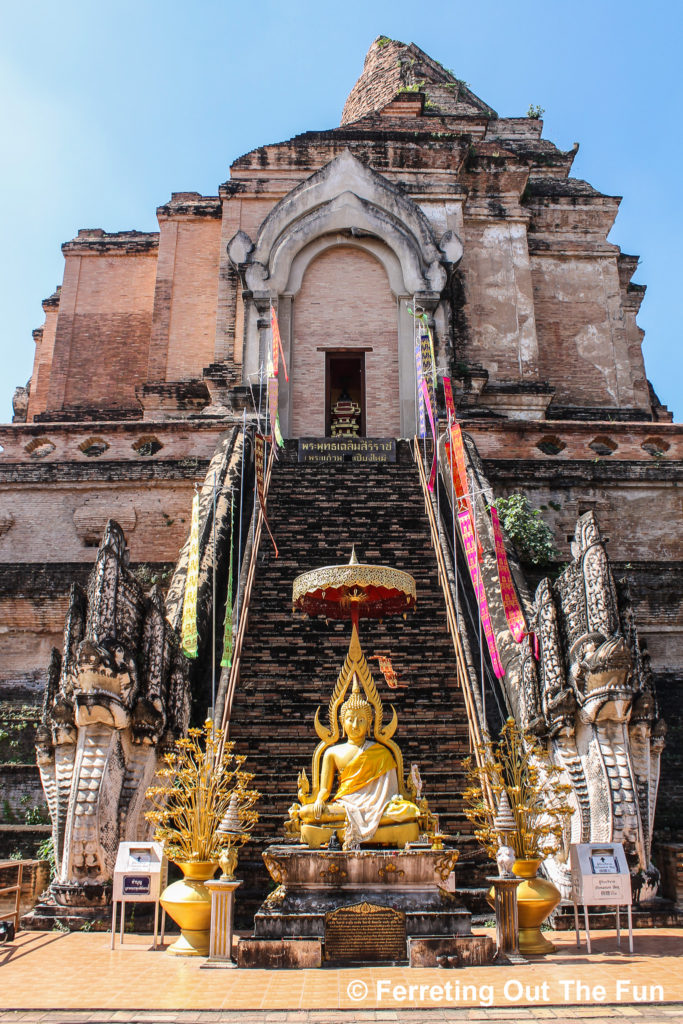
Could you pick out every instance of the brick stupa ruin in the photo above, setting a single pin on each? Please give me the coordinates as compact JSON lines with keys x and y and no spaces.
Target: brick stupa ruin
{"x":151,"y":345}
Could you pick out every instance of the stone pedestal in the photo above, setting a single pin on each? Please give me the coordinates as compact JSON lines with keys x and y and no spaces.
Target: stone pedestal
{"x":331,"y":898}
{"x":220,"y":942}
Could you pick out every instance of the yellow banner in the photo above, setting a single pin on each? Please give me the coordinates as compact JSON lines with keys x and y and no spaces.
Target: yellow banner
{"x":189,"y":626}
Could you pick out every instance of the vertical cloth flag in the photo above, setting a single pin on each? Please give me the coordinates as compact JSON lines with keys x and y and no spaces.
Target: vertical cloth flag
{"x":422,"y":423}
{"x":428,"y":366}
{"x":448,"y":394}
{"x":456,"y":451}
{"x":470,"y":544}
{"x":189,"y":624}
{"x":278,"y":351}
{"x":273,"y":393}
{"x":511,"y":605}
{"x":432,"y":475}
{"x":260,"y":460}
{"x":226,"y":660}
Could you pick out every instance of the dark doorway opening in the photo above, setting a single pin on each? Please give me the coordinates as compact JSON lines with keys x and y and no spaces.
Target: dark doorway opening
{"x":345,"y":393}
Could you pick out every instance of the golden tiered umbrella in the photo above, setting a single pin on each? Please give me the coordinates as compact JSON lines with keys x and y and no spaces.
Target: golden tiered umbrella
{"x":354,"y":591}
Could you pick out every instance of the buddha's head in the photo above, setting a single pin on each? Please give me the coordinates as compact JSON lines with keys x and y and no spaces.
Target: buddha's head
{"x":356,"y":715}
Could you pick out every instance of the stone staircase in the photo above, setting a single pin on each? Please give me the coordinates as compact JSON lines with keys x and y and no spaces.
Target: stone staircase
{"x":290,"y":664}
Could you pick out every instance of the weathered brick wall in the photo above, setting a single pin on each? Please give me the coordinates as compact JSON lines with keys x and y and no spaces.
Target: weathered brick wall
{"x":105,"y":308}
{"x":22,"y":793}
{"x":500,"y":307}
{"x":345,"y":302}
{"x":64,"y":520}
{"x":555,"y":441}
{"x":624,"y":496}
{"x":42,"y":363}
{"x":184,"y":332}
{"x":583,"y":347}
{"x":33,"y":605}
{"x":22,"y":840}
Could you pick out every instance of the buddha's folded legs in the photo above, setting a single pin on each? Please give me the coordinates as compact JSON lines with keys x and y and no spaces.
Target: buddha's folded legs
{"x":334,"y":812}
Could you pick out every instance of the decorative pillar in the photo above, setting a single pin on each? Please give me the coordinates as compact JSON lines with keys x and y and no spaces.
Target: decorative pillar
{"x":507,"y":926}
{"x":220,"y":944}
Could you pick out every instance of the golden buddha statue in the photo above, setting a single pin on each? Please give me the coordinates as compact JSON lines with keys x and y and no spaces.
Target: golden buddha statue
{"x":372,"y":803}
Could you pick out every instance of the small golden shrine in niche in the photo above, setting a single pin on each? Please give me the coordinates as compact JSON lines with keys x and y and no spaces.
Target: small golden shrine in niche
{"x":357,"y":789}
{"x":345,"y":417}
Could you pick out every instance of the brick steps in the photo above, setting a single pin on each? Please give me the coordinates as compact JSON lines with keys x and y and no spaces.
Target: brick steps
{"x":290,"y":664}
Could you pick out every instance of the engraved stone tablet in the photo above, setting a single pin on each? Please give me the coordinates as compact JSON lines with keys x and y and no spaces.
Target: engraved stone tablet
{"x":365,"y":933}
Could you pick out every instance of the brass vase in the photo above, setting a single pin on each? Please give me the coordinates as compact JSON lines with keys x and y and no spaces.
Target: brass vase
{"x":536,"y":899}
{"x":188,"y":901}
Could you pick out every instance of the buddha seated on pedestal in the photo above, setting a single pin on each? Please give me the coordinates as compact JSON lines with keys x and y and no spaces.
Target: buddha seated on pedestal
{"x":371,"y":804}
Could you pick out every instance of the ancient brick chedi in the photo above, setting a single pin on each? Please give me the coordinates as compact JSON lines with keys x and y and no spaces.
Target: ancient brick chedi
{"x":422,"y":196}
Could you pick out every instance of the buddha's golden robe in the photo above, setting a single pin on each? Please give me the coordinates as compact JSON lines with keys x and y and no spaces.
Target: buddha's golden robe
{"x":368,"y":789}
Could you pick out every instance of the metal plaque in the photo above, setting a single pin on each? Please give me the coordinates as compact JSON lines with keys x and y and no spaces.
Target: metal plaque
{"x":347,"y":449}
{"x":365,"y":932}
{"x":136,"y":885}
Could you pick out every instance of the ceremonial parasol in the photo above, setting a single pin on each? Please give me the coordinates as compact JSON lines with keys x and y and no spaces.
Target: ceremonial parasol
{"x":354,"y":591}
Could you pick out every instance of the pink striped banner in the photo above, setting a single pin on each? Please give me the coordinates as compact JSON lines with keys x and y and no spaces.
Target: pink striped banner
{"x":470,"y":545}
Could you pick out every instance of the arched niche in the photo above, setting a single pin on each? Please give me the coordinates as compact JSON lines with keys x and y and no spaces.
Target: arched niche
{"x":345,"y":203}
{"x":344,"y":309}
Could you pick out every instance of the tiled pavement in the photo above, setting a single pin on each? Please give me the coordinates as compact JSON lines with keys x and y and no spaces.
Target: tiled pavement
{"x":52,"y":977}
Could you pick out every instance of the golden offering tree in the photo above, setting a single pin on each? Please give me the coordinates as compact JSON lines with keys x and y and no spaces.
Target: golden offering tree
{"x":518,"y":766}
{"x":202,"y":781}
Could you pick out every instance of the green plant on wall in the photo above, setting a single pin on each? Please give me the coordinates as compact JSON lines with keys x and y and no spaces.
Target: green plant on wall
{"x":46,"y":851}
{"x":17,"y":722}
{"x":527,"y":530}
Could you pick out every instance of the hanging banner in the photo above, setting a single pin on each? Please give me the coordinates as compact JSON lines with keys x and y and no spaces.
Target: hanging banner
{"x":277,"y":344}
{"x":428,"y":366}
{"x":456,"y":455}
{"x":513,"y":611}
{"x":226,"y":660}
{"x":260,"y":461}
{"x":450,"y":403}
{"x":470,"y":544}
{"x":387,"y":670}
{"x":432,"y":475}
{"x":273,"y":393}
{"x":189,"y":624}
{"x":422,"y":424}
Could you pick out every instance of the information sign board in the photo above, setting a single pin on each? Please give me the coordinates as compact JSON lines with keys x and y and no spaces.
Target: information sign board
{"x":600,"y":878}
{"x":600,"y":874}
{"x":140,"y":875}
{"x":140,"y":872}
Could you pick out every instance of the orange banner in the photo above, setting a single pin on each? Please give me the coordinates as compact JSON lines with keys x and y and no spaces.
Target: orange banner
{"x":450,"y":404}
{"x":511,"y":605}
{"x":387,"y":671}
{"x":278,"y":351}
{"x":456,"y":454}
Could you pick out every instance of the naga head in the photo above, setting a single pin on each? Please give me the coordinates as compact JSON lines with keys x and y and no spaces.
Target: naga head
{"x":105,"y":684}
{"x":601,"y":673}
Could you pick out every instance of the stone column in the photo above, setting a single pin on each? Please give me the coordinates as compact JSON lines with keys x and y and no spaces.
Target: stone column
{"x":220,"y":943}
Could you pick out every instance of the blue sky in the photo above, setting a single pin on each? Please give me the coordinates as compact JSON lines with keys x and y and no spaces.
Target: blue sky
{"x":107,"y":109}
